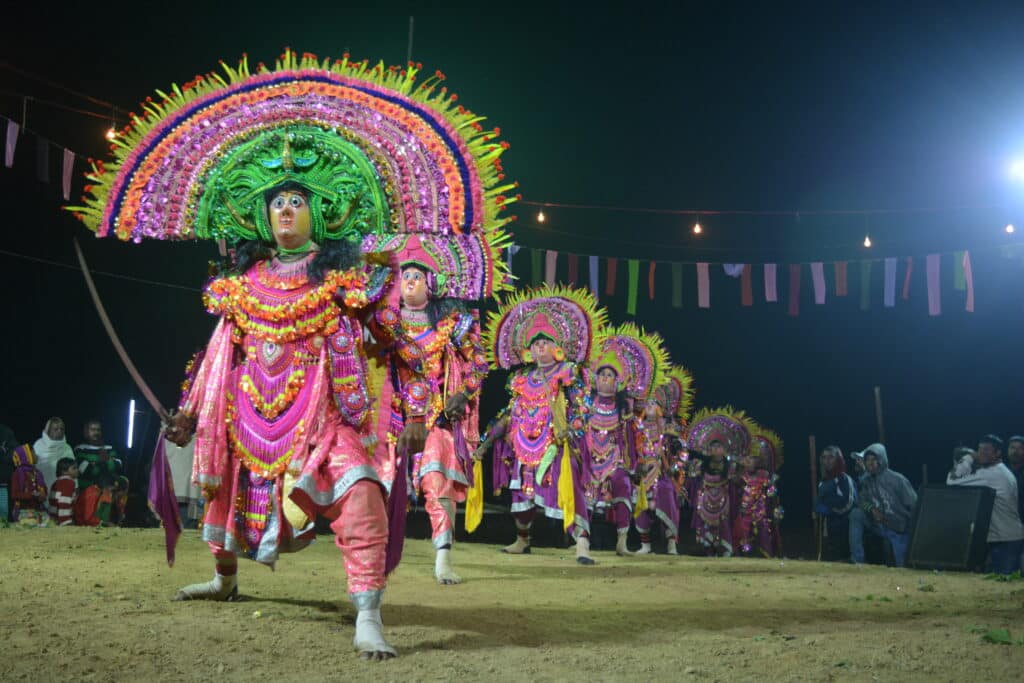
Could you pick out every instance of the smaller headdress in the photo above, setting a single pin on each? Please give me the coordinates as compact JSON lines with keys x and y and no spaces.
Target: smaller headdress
{"x":727,"y":425}
{"x":571,"y":317}
{"x":768,"y":444}
{"x":675,"y":393}
{"x":638,"y":358}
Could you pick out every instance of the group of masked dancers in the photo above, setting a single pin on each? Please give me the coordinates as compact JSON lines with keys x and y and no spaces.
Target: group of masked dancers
{"x":361,"y":215}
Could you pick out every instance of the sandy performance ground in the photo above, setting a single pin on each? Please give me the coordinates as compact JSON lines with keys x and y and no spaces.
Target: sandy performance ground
{"x":84,"y":604}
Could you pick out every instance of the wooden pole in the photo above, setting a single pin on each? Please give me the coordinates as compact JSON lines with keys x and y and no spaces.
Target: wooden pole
{"x":878,"y":415}
{"x":812,"y":447}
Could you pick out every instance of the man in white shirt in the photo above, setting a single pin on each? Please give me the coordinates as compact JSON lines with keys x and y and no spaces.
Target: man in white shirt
{"x":1005,"y":532}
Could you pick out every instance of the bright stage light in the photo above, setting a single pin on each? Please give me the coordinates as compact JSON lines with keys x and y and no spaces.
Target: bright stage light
{"x":1009,"y":228}
{"x":541,"y":217}
{"x":110,"y":134}
{"x":697,"y":229}
{"x":1017,"y":169}
{"x":131,"y":421}
{"x":867,"y":241}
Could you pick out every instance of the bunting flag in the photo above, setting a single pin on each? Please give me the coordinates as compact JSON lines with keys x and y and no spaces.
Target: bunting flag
{"x":609,"y":286}
{"x":733,"y":269}
{"x":794,"y":289}
{"x":677,"y":285}
{"x":818,"y":280}
{"x":592,"y":265}
{"x":865,"y":285}
{"x":12,"y":141}
{"x":633,"y":284}
{"x":43,"y":160}
{"x":959,"y":280}
{"x":650,"y":280}
{"x":934,"y":293}
{"x":889,"y":295}
{"x":69,"y":168}
{"x":746,"y":290}
{"x":703,"y":286}
{"x":968,"y":282}
{"x":574,"y":269}
{"x":770,"y":294}
{"x":550,"y":266}
{"x":841,"y":288}
{"x":535,"y":274}
{"x":906,"y":278}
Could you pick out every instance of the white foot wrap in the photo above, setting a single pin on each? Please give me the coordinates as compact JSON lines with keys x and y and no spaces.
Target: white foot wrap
{"x":672,"y":550}
{"x":443,"y":568}
{"x":620,"y":545}
{"x":369,"y":638}
{"x":221,"y":588}
{"x":645,"y":549}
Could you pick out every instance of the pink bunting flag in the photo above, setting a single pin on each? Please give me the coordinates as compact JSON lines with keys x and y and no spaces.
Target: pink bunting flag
{"x":650,"y":280}
{"x":550,"y":262}
{"x":842,"y":288}
{"x":934,"y":290}
{"x":12,"y":141}
{"x":771,"y":295}
{"x":818,"y":280}
{"x":889,"y":295}
{"x":703,"y":286}
{"x":68,"y":169}
{"x":574,"y":269}
{"x":906,"y":278}
{"x":969,"y":278}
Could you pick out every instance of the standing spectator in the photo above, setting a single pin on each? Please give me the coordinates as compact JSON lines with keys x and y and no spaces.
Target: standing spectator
{"x":51,"y":447}
{"x":837,"y":496}
{"x":62,"y":493}
{"x":27,"y":489}
{"x":1005,"y":531}
{"x":887,"y":503}
{"x":1015,"y":461}
{"x":100,"y":467}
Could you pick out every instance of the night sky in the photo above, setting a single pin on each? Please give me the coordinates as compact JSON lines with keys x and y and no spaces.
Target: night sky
{"x":913,"y":110}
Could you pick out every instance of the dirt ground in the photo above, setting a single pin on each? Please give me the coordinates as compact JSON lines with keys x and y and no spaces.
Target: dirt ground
{"x":85,"y":604}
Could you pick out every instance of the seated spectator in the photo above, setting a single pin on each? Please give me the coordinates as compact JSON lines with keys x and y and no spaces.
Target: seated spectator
{"x":886,"y":504}
{"x":99,"y":467}
{"x":28,"y":492}
{"x":51,"y":447}
{"x":1005,"y":531}
{"x":837,"y":495}
{"x":62,"y":493}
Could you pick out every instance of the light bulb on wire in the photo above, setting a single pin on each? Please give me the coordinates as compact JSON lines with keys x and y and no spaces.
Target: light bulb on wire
{"x":867,"y":241}
{"x":110,"y":134}
{"x":541,"y":217}
{"x":1009,"y":228}
{"x":697,"y":229}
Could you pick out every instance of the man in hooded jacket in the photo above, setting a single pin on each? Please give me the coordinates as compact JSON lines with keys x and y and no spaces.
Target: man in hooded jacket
{"x":887,"y":503}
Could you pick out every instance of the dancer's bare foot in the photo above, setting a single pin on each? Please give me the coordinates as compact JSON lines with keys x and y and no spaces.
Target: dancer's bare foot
{"x":369,"y":637}
{"x":221,"y":589}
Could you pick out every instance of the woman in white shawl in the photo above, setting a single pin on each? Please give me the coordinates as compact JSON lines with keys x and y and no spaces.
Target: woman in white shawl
{"x":50,"y":448}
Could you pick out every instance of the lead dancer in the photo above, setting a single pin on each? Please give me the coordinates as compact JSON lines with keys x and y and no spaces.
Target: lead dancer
{"x":295,"y":165}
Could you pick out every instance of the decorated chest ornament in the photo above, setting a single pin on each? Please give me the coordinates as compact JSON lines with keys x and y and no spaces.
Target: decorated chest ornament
{"x":675,"y":394}
{"x":376,"y":152}
{"x":726,"y":425}
{"x":638,"y":358}
{"x":568,"y":317}
{"x":768,"y":445}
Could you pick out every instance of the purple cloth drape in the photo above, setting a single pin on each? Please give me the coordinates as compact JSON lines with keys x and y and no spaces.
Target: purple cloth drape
{"x":162,"y":500}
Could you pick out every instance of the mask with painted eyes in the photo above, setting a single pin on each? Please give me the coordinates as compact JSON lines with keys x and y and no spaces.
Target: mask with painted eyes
{"x":290,"y":219}
{"x":415,"y":287}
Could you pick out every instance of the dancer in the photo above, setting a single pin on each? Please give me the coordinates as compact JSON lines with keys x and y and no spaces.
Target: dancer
{"x":758,"y":511}
{"x":675,"y":396}
{"x":295,"y":165}
{"x":716,"y":435}
{"x":544,"y":335}
{"x":627,"y":364}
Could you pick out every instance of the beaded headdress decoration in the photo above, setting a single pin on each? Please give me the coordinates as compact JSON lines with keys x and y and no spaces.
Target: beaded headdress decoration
{"x":727,"y":425}
{"x":675,"y":393}
{"x":769,"y":445}
{"x":638,"y":358}
{"x":376,"y":151}
{"x":569,"y":317}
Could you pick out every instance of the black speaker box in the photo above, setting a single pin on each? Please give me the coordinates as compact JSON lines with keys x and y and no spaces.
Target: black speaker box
{"x":950,"y":526}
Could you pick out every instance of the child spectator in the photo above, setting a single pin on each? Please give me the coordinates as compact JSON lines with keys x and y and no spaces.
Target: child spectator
{"x":62,"y":493}
{"x":28,"y":490}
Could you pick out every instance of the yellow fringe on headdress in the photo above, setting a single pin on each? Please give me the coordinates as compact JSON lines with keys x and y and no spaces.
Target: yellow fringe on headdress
{"x":652,"y":341}
{"x":773,"y":440}
{"x":596,"y":315}
{"x":685,"y":380}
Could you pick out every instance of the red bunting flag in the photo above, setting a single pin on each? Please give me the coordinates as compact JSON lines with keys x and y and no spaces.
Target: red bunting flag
{"x":906,"y":278}
{"x":794,"y":289}
{"x":609,"y":286}
{"x":650,"y":280}
{"x":841,"y":283}
{"x":746,"y":290}
{"x":574,"y":269}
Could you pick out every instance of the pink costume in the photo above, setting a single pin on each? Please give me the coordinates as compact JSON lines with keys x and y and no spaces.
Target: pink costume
{"x":432,"y":363}
{"x":282,"y":412}
{"x":662,"y":502}
{"x":609,"y":459}
{"x":753,"y":528}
